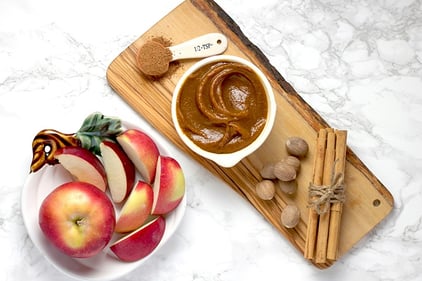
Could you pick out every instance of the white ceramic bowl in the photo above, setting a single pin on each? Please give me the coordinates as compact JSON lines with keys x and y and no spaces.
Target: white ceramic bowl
{"x":226,"y":159}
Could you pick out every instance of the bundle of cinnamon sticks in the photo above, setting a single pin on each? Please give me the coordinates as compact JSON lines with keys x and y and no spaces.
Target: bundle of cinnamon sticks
{"x":326,"y":196}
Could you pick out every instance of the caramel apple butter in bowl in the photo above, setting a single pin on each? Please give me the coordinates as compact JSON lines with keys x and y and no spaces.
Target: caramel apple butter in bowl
{"x":223,"y":108}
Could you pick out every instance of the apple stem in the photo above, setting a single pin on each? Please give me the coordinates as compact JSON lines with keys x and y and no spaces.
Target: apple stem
{"x":79,"y":221}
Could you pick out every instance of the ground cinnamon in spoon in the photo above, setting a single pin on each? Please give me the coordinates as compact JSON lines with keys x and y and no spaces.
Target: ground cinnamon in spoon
{"x":153,"y":58}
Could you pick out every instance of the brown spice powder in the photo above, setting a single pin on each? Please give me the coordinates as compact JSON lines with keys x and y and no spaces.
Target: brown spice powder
{"x":162,"y":40}
{"x":153,"y":58}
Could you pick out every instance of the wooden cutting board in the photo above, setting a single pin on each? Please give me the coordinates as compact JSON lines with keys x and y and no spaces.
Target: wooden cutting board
{"x":368,"y":201}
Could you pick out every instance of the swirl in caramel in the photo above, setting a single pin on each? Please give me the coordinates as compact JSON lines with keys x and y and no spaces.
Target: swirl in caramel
{"x":222,"y":107}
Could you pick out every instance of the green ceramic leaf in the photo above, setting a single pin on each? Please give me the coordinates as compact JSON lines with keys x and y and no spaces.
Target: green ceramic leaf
{"x":96,"y":128}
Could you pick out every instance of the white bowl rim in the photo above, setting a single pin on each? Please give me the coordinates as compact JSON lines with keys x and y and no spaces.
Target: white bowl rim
{"x":226,"y":160}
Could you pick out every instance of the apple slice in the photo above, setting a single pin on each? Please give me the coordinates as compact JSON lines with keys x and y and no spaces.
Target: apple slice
{"x":141,"y":242}
{"x":83,"y":165}
{"x":169,"y":185}
{"x":142,"y":150}
{"x":136,"y":209}
{"x":119,"y":169}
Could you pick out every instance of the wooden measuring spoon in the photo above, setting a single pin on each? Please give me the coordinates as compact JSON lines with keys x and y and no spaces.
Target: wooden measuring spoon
{"x":153,"y":58}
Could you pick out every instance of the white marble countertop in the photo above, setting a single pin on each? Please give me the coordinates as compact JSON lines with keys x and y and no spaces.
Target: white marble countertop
{"x":357,"y":63}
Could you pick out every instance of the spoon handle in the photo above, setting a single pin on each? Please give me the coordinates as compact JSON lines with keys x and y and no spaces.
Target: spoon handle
{"x":203,"y":46}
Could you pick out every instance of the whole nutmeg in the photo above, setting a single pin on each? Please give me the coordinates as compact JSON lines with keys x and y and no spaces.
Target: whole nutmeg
{"x":267,"y":171}
{"x":284,"y":171}
{"x":290,"y":216}
{"x":297,"y":146}
{"x":265,"y":189}
{"x":293,"y":161}
{"x":288,"y":187}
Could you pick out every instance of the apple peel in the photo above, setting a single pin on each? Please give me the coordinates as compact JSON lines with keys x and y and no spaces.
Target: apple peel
{"x":142,"y":150}
{"x":141,"y":242}
{"x":136,"y":208}
{"x":169,"y":185}
{"x":78,"y":219}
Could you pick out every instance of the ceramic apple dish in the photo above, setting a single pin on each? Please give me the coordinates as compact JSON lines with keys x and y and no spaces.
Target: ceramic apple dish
{"x":99,"y":215}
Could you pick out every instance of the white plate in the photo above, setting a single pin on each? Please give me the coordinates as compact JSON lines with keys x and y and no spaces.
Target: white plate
{"x":104,"y":266}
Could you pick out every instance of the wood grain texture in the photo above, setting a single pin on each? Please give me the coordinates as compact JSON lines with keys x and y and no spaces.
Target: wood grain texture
{"x":152,"y":100}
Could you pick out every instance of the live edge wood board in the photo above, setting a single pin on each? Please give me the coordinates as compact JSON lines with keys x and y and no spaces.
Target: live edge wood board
{"x":368,"y":202}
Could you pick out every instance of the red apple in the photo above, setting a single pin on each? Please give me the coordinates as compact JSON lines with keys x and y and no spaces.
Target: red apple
{"x":136,"y":209}
{"x":142,"y":150}
{"x":78,"y":219}
{"x":83,"y":165}
{"x":169,"y":185}
{"x":119,"y":169}
{"x":141,"y":242}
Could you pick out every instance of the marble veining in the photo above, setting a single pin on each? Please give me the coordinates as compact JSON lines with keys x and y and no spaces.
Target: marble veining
{"x":357,"y":63}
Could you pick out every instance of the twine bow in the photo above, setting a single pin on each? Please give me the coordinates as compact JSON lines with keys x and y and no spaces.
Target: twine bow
{"x":321,"y":196}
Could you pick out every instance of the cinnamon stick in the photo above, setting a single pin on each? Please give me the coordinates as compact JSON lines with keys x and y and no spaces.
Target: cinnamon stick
{"x":311,"y":233}
{"x":337,"y":207}
{"x":324,"y":219}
